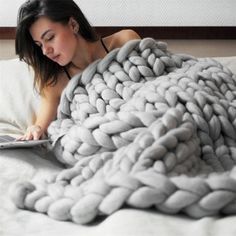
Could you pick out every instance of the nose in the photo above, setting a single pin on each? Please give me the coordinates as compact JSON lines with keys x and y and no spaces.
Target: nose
{"x":46,"y":49}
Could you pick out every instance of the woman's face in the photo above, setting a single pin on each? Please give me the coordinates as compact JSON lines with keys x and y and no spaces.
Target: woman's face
{"x":57,"y":41}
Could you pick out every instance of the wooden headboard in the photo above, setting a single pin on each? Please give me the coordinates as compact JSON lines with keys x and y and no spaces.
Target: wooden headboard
{"x":157,"y":32}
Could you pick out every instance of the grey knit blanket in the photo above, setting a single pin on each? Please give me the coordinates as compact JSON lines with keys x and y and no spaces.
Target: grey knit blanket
{"x":144,"y":128}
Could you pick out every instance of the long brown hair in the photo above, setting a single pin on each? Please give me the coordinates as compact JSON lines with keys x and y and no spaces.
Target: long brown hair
{"x":46,"y":71}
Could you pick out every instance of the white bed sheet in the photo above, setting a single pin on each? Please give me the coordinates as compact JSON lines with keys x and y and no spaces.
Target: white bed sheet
{"x":34,"y":164}
{"x":27,"y":164}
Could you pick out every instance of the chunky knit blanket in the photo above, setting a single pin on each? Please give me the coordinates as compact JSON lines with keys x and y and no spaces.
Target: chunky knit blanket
{"x":144,"y":128}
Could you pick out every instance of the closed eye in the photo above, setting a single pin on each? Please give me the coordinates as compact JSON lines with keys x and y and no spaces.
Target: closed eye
{"x":47,"y":39}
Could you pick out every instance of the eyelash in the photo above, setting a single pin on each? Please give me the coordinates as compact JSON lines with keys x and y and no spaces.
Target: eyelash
{"x":50,"y":38}
{"x":47,"y":40}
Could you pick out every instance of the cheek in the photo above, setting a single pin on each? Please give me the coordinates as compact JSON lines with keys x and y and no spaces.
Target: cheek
{"x":68,"y":45}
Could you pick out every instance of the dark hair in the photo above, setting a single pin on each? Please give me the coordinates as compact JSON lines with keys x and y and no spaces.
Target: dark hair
{"x":46,"y":71}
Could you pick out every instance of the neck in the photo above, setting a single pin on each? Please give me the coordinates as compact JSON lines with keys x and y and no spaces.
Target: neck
{"x":86,"y":53}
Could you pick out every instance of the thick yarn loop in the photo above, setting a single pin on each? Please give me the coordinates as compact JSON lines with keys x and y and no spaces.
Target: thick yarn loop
{"x":146,"y":128}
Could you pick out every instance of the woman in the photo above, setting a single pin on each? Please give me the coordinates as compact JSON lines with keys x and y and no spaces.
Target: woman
{"x":57,"y":41}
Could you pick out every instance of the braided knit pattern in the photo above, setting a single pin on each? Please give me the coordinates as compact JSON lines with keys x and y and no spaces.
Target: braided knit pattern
{"x":142,"y":127}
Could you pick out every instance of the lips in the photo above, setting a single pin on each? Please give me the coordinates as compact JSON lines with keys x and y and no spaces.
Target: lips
{"x":55,"y":58}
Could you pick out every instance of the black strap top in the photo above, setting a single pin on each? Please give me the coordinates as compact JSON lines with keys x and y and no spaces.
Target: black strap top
{"x":105,"y":48}
{"x":67,"y":73}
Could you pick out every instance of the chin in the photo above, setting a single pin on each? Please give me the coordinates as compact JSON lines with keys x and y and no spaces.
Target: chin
{"x":61,"y":63}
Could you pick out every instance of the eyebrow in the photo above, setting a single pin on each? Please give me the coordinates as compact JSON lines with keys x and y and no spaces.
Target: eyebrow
{"x":42,"y":36}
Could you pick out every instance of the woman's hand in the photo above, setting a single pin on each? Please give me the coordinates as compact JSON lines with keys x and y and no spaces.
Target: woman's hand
{"x":33,"y":132}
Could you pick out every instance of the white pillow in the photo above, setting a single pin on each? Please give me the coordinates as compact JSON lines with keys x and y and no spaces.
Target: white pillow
{"x":229,"y":62}
{"x":18,"y":98}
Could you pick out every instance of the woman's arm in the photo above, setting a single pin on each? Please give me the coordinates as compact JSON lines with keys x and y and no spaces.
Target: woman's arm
{"x":46,"y":114}
{"x":49,"y":102}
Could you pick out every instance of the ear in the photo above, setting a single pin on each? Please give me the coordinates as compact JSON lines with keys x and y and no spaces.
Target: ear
{"x":74,"y":25}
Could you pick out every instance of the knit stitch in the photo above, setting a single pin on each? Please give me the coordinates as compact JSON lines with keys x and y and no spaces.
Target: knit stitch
{"x":142,"y":127}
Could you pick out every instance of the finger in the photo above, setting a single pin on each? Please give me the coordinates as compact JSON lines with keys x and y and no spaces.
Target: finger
{"x":23,"y":137}
{"x":29,"y":136}
{"x":20,"y":138}
{"x":36,"y":135}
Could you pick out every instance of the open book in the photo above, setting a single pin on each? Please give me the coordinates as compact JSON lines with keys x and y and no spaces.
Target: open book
{"x":7,"y":141}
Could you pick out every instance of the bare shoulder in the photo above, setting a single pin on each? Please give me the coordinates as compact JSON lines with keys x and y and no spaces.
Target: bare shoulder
{"x":125,"y":35}
{"x":119,"y":38}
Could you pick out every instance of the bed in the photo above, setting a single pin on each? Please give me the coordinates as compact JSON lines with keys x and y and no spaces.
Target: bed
{"x":32,"y":164}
